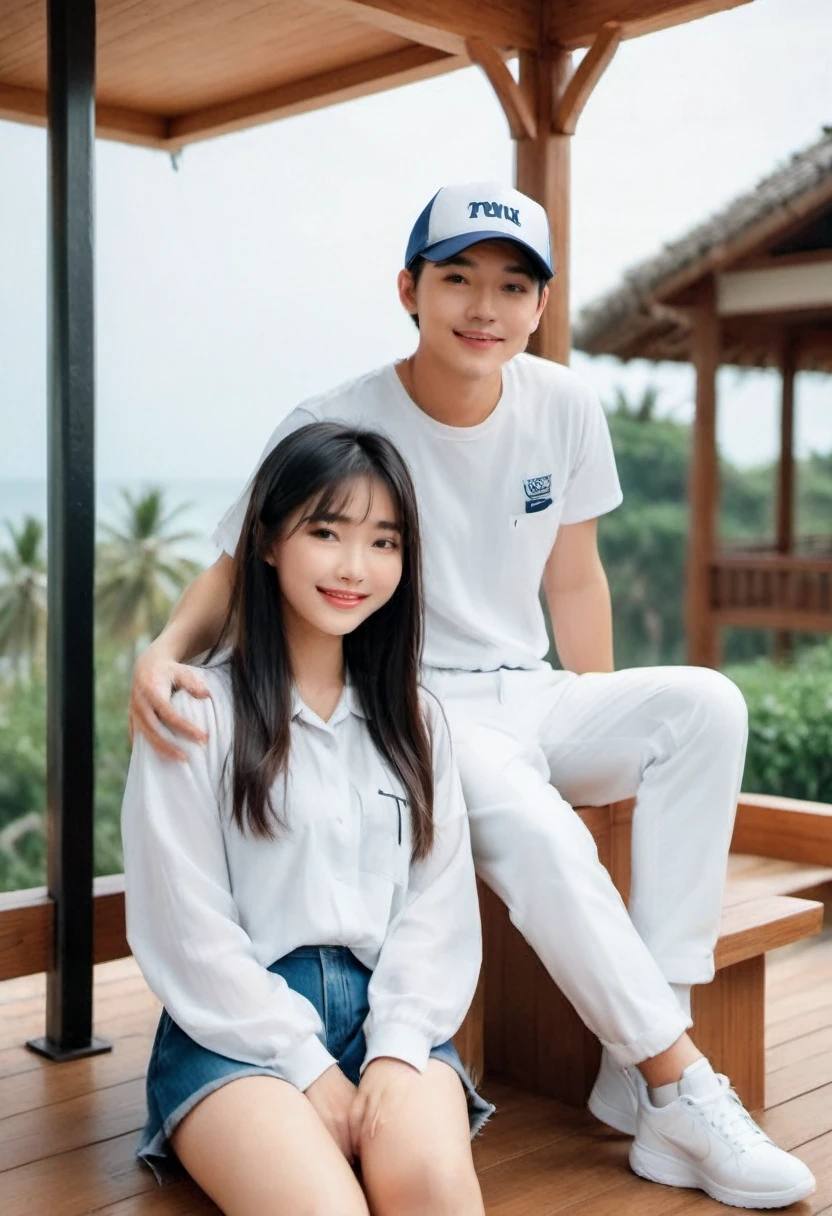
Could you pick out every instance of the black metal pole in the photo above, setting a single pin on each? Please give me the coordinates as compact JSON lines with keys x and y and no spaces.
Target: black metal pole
{"x":71,"y":526}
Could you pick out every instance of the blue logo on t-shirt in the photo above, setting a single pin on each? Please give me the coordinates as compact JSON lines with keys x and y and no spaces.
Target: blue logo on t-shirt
{"x":538,"y":491}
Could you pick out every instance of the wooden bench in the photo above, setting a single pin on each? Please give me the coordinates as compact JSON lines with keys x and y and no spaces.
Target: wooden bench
{"x":523,"y":1030}
{"x":520,"y":1027}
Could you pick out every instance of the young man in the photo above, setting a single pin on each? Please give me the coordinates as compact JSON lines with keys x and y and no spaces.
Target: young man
{"x":513,"y":464}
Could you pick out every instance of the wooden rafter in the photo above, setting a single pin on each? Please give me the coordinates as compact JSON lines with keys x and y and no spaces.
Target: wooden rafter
{"x":515,"y":103}
{"x":511,"y":24}
{"x":585,"y":77}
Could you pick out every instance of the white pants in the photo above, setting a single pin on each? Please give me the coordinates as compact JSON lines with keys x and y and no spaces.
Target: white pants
{"x":531,"y":745}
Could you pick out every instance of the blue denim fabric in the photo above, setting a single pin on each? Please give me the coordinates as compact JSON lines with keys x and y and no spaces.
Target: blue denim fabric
{"x":181,"y":1072}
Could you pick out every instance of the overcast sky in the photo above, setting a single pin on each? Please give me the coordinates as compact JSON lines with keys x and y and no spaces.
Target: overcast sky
{"x":264,"y":269}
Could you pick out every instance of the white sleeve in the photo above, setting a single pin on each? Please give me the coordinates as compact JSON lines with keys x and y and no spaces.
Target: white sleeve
{"x":227,"y":532}
{"x":427,"y":971}
{"x":593,"y":487}
{"x":183,"y":925}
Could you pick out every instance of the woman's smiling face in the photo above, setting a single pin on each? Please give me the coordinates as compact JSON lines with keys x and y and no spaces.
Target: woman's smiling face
{"x":335,"y":571}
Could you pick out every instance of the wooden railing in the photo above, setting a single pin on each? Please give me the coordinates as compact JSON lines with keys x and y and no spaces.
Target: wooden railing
{"x":772,"y":590}
{"x":27,"y":927}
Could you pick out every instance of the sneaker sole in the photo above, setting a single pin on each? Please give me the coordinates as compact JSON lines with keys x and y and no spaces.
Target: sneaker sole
{"x":611,"y":1115}
{"x":657,"y":1167}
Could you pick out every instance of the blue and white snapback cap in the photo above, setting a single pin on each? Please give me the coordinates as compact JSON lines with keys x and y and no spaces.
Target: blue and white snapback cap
{"x":460,"y":216}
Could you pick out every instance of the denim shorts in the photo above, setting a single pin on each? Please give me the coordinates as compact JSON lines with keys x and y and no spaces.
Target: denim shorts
{"x":181,"y":1072}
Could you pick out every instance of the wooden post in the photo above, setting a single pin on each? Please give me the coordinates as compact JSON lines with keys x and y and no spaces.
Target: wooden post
{"x":703,"y":496}
{"x":542,"y":113}
{"x":785,"y":477}
{"x":542,"y":170}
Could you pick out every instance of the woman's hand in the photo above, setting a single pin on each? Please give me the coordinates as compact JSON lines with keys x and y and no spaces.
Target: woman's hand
{"x":155,"y":678}
{"x":333,"y":1096}
{"x":383,"y":1089}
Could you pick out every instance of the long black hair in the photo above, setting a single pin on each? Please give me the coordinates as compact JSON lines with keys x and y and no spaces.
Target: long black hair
{"x":316,"y":469}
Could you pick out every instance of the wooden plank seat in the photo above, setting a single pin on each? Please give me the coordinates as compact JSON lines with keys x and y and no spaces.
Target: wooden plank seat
{"x":523,"y":1030}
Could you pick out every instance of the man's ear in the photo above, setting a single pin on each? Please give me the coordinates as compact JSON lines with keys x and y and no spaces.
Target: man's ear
{"x":407,"y":292}
{"x":541,"y":304}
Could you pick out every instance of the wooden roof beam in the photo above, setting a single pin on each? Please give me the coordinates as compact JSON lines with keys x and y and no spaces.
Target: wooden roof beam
{"x":111,"y":122}
{"x":511,"y":24}
{"x":313,"y":93}
{"x":575,"y":23}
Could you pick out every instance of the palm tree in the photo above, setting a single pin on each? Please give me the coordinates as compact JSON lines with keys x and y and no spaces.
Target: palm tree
{"x":23,"y":595}
{"x":139,"y":573}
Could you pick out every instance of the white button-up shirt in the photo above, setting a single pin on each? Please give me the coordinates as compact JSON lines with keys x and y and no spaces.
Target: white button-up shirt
{"x":210,"y":908}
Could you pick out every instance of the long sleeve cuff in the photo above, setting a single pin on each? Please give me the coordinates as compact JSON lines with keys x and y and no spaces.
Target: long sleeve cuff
{"x":399,"y":1040}
{"x":306,"y":1063}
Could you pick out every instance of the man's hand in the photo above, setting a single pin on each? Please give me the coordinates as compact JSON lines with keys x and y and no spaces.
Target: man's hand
{"x":155,"y":679}
{"x":333,"y":1096}
{"x":384,"y":1088}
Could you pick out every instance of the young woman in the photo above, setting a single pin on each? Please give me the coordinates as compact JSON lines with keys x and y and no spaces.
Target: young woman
{"x":300,"y":891}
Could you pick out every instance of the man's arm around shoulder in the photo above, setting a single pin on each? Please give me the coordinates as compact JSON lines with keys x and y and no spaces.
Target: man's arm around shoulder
{"x":195,"y":625}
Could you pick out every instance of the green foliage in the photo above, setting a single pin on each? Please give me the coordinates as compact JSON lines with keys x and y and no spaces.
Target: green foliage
{"x":22,"y":783}
{"x":23,"y":595}
{"x":139,"y":575}
{"x":789,"y":716}
{"x":23,"y":771}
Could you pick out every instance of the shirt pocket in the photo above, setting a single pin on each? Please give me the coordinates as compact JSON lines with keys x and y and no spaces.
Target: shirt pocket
{"x":535,"y":527}
{"x":385,"y":834}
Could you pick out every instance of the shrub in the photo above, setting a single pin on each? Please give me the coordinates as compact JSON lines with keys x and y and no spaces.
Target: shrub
{"x":790,"y":710}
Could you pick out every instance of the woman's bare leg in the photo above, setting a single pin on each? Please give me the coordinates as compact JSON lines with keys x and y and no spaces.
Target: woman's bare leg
{"x":257,"y":1148}
{"x":420,"y":1162}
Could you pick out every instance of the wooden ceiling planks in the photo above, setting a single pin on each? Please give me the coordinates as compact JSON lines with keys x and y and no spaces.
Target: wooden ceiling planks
{"x":311,"y":93}
{"x":171,"y":71}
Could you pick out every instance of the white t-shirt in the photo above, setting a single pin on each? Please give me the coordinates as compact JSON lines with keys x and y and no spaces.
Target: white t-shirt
{"x":491,"y":499}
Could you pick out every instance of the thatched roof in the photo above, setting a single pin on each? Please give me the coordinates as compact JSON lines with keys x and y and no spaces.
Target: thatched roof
{"x":642,"y":318}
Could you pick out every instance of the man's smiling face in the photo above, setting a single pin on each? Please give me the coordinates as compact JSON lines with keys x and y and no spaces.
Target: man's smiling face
{"x":477,"y":309}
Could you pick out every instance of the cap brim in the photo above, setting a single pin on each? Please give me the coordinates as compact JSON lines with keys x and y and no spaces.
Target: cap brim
{"x":455,"y":244}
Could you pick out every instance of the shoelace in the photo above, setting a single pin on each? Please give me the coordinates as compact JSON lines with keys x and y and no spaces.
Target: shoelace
{"x":726,"y":1113}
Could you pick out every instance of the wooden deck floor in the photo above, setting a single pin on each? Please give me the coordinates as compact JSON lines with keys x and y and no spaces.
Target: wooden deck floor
{"x":68,"y":1131}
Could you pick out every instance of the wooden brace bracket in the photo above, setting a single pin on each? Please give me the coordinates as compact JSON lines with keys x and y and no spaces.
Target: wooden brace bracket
{"x":517,"y":107}
{"x":585,"y":77}
{"x":515,"y":103}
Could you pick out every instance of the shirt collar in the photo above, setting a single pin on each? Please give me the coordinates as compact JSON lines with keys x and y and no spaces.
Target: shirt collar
{"x":349,"y":703}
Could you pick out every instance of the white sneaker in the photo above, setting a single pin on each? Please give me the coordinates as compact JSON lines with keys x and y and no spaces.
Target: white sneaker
{"x":614,"y":1098}
{"x":706,"y":1138}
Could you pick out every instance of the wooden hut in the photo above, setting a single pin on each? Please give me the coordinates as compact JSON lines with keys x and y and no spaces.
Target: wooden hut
{"x":750,"y":287}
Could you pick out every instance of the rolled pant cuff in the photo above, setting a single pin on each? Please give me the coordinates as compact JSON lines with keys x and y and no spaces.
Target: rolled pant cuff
{"x":683,"y":969}
{"x":652,"y":1043}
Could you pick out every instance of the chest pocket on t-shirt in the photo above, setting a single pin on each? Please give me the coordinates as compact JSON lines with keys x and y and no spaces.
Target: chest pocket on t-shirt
{"x":536,"y":525}
{"x":385,"y":834}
